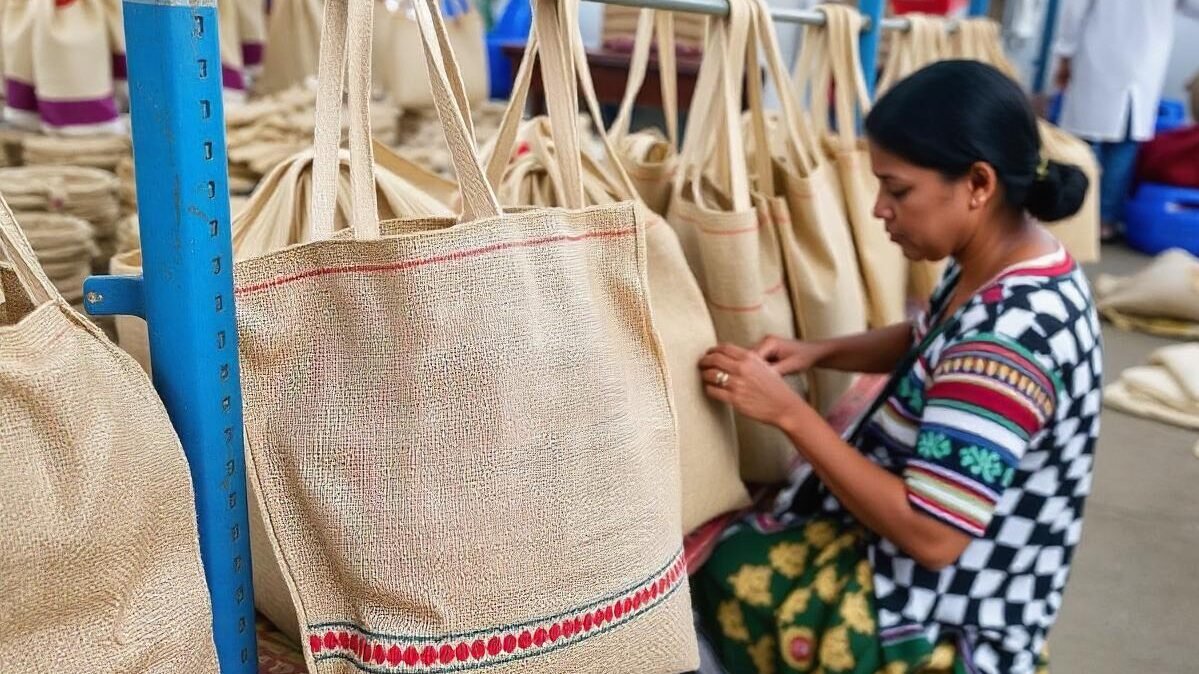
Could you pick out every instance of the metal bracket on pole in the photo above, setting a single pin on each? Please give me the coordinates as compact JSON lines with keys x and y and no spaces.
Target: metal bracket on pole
{"x":186,"y":293}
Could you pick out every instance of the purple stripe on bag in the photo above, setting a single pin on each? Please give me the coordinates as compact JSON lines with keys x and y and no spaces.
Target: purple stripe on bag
{"x":21,"y":96}
{"x":251,"y":53}
{"x":120,"y":69}
{"x":73,"y":113}
{"x":232,"y":78}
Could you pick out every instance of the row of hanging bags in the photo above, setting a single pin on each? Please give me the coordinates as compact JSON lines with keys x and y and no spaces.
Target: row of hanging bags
{"x":730,"y":234}
{"x":444,"y":421}
{"x":289,"y":59}
{"x":924,"y":43}
{"x":101,"y":570}
{"x":823,"y":278}
{"x":980,"y":39}
{"x":837,"y":66}
{"x":708,"y":459}
{"x":399,"y":52}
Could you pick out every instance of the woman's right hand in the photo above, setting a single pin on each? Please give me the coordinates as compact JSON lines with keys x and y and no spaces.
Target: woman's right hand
{"x":790,"y":356}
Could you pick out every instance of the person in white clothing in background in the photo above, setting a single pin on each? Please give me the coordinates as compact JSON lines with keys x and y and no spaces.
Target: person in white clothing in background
{"x":1113,"y":56}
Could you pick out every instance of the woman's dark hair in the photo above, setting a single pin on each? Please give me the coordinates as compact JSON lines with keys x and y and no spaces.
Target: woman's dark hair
{"x":952,"y":114}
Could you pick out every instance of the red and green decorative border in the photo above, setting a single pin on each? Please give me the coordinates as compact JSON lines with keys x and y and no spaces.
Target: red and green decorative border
{"x":385,"y":654}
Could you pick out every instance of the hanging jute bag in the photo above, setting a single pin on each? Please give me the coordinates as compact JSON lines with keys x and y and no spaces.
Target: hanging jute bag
{"x":730,"y":234}
{"x":979,"y":39}
{"x":708,"y":457}
{"x":101,"y":568}
{"x":837,"y":66}
{"x":20,"y":94}
{"x":72,"y":68}
{"x":292,"y":41}
{"x":823,"y":279}
{"x":408,"y":86}
{"x":648,"y":157}
{"x":251,"y":29}
{"x":924,"y":43}
{"x":439,"y":423}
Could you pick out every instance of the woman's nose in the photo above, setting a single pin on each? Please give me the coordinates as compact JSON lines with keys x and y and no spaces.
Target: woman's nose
{"x":881,"y":210}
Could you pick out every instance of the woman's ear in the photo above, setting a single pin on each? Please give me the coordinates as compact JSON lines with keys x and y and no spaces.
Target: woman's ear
{"x":983,"y":183}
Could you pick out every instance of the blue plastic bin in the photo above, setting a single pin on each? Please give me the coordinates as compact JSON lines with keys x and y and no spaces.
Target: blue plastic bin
{"x":1171,"y":114}
{"x":513,"y":25}
{"x":1160,"y":217}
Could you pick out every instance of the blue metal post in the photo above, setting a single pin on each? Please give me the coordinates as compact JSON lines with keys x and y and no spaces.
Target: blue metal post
{"x":979,"y":7}
{"x":182,"y":187}
{"x":1045,"y":55}
{"x":869,"y":42}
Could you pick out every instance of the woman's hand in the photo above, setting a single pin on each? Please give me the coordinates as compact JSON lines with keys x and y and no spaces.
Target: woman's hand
{"x":744,"y":380}
{"x":790,"y":356}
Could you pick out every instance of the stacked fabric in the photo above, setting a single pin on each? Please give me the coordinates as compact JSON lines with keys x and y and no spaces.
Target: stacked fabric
{"x":103,"y":151}
{"x":88,"y":194}
{"x":1162,"y":299}
{"x":64,"y":246}
{"x":1167,"y":389}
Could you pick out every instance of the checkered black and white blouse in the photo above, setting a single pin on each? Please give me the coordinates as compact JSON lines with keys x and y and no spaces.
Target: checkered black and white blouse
{"x":993,"y":431}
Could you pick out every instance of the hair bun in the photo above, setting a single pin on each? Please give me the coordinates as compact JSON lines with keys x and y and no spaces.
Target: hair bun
{"x":1058,"y":194}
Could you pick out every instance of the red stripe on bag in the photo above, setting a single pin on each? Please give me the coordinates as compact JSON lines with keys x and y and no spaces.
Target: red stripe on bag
{"x":434,"y":259}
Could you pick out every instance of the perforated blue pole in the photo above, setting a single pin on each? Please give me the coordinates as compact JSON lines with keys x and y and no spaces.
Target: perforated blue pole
{"x":869,"y":42}
{"x":175,"y":76}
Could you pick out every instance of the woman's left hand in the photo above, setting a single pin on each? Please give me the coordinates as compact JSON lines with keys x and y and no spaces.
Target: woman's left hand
{"x":748,"y":383}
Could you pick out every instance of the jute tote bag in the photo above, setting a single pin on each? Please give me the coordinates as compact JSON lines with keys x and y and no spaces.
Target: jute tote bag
{"x":708,"y":458}
{"x":729,"y":233}
{"x":72,"y":69}
{"x":407,"y":85}
{"x":882,"y":264}
{"x":292,"y":42}
{"x":823,"y":279}
{"x":648,"y":157}
{"x":101,"y":567}
{"x":979,"y":39}
{"x":251,"y":29}
{"x":442,"y":423}
{"x":20,"y":96}
{"x":926,"y":42}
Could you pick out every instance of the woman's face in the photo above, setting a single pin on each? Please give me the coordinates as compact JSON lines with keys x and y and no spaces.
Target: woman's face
{"x":928,"y":215}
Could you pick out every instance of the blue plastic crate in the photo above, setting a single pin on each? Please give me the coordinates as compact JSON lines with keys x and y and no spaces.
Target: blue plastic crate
{"x":1171,"y":114}
{"x":1160,"y":217}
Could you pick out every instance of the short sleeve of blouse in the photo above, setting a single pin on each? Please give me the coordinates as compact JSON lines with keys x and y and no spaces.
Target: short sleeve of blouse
{"x":986,"y":400}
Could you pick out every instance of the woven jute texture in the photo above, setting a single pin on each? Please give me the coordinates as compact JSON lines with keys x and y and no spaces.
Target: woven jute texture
{"x":443,"y":423}
{"x":101,"y":566}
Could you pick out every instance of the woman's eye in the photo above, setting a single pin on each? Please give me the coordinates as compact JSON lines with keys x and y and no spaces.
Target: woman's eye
{"x":900,"y":193}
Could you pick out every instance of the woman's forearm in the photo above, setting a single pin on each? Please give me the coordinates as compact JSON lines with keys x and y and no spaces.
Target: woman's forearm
{"x":876,"y":497}
{"x":875,"y":351}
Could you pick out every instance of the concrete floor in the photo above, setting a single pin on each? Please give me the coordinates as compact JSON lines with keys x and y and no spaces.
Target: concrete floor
{"x":1132,"y":603}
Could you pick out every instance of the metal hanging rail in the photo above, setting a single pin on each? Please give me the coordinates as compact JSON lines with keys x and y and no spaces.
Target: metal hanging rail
{"x":186,"y":291}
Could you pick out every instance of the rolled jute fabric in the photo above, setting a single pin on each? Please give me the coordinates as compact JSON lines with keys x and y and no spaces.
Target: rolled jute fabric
{"x":65,"y":246}
{"x":103,"y":151}
{"x":86,"y":193}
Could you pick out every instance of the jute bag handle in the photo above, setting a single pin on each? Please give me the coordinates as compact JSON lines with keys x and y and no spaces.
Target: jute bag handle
{"x":19,"y":253}
{"x":714,"y":122}
{"x":651,"y":23}
{"x":840,"y":67}
{"x":925,"y":42}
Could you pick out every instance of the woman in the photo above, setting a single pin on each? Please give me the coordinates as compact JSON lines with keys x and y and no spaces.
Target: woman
{"x":940,"y":537}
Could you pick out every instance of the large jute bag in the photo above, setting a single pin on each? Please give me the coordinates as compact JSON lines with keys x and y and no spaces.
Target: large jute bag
{"x":408,"y":86}
{"x":441,"y":422}
{"x":648,"y":157}
{"x":72,"y":68}
{"x":925,"y":42}
{"x":979,"y":39}
{"x":251,"y":29}
{"x":730,"y":233}
{"x":708,"y":457}
{"x":292,"y":41}
{"x":101,"y":567}
{"x":836,"y":64}
{"x":233,"y":75}
{"x":17,"y":27}
{"x":823,"y":280}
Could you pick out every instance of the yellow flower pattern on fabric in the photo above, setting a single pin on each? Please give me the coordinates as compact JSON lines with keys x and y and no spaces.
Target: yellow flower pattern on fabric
{"x":797,"y":647}
{"x":835,"y":654}
{"x":835,"y":548}
{"x":751,"y":584}
{"x":865,"y":575}
{"x":789,"y":559}
{"x":941,"y":661}
{"x":828,"y":584}
{"x":795,"y":604}
{"x":855,"y":609}
{"x":819,"y":533}
{"x":762,"y":653}
{"x":732,"y":620}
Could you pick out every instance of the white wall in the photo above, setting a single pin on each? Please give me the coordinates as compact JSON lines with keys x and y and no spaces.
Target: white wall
{"x":1184,"y":62}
